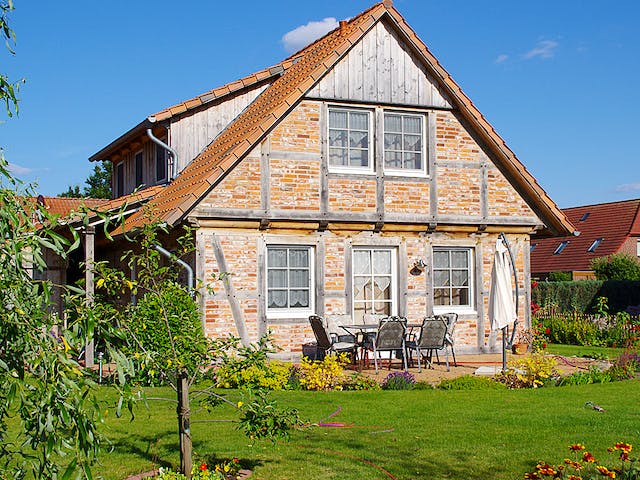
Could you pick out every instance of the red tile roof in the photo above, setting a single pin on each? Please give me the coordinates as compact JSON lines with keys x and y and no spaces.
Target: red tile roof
{"x":303,"y":71}
{"x":613,"y":222}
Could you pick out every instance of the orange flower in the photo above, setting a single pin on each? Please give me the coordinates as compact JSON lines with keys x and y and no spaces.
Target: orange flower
{"x":235,"y":460}
{"x":576,"y":446}
{"x":587,"y":457}
{"x":576,"y":465}
{"x":625,"y":447}
{"x":606,"y":472}
{"x":546,"y":469}
{"x":532,"y":476}
{"x":203,"y":467}
{"x":574,"y":477}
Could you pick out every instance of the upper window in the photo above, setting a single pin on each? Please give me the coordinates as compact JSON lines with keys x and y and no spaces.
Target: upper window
{"x":374,"y":282}
{"x":120,"y":179}
{"x":403,"y":142}
{"x":289,"y":280}
{"x":452,"y":277}
{"x":638,"y":248}
{"x":349,"y":139}
{"x":161,"y":164}
{"x":138,"y":159}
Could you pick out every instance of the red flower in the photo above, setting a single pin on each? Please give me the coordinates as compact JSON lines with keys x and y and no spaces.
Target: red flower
{"x":203,"y":467}
{"x":576,"y":446}
{"x":547,"y":331}
{"x":587,"y":457}
{"x":544,"y":345}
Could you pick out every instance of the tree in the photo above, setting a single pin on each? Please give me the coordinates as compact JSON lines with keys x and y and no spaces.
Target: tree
{"x":617,"y":266}
{"x":43,"y":388}
{"x":97,"y":185}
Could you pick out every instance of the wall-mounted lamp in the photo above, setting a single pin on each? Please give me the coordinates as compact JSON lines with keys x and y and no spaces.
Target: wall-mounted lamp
{"x":418,"y":267}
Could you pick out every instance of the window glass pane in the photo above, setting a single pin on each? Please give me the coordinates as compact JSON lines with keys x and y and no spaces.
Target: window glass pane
{"x":299,"y":298}
{"x":277,"y":278}
{"x":361,"y":285}
{"x":358,"y":139}
{"x":358,"y":158}
{"x":361,"y":262}
{"x":441,"y":296}
{"x":459,"y":259}
{"x":382,"y":288}
{"x":382,"y":261}
{"x":338,"y":157}
{"x":460,"y":278}
{"x":298,"y":257}
{"x":393,"y":160}
{"x":392,"y":141}
{"x":359,"y":121}
{"x":161,"y":163}
{"x":392,"y":123}
{"x":440,"y":259}
{"x":412,"y":161}
{"x":277,"y":257}
{"x":441,"y":278}
{"x":412,"y":143}
{"x":337,"y":119}
{"x":382,"y":308}
{"x":338,"y":138}
{"x":460,"y":296}
{"x":298,"y":278}
{"x":412,"y":124}
{"x":277,"y":299}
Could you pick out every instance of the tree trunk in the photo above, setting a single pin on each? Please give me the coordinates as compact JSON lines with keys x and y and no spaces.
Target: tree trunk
{"x":184,"y":427}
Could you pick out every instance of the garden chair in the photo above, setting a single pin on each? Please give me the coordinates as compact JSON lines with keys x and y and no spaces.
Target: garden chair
{"x":390,"y":337}
{"x":451,"y":319}
{"x":432,"y":338}
{"x":328,"y":343}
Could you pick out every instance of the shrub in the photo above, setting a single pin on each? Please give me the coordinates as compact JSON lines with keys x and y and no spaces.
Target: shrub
{"x":573,"y":331}
{"x":531,"y":371}
{"x":470,"y":382}
{"x":399,"y":381}
{"x":617,"y":266}
{"x":326,"y":374}
{"x":560,"y":276}
{"x":358,"y":381}
{"x":566,"y":296}
{"x":593,"y":375}
{"x":272,"y":375}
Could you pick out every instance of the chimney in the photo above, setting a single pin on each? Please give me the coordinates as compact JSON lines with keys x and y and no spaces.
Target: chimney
{"x":343,"y":27}
{"x":388,"y":3}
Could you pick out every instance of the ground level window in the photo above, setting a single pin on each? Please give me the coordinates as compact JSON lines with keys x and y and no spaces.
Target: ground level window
{"x":289,"y":279}
{"x":452,"y":276}
{"x":374,"y":281}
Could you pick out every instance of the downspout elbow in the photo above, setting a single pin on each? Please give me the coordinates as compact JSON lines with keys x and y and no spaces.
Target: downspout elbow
{"x":173,"y":154}
{"x":180,"y":262}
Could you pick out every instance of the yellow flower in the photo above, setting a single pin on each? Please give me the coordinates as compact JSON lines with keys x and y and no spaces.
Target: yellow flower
{"x":240,"y":404}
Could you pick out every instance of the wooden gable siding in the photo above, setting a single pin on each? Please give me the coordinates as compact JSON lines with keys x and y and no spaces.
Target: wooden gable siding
{"x":192,"y":132}
{"x":380,"y":69}
{"x":128,"y":160}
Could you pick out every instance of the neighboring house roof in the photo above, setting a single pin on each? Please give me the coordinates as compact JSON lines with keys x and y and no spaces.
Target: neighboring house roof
{"x":63,"y":206}
{"x":299,"y":74}
{"x":612,"y":222}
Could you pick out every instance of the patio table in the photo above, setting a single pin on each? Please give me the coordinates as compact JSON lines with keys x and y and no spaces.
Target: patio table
{"x":364,"y":333}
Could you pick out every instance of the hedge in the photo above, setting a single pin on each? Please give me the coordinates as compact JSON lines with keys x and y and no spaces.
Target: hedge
{"x":580,"y":296}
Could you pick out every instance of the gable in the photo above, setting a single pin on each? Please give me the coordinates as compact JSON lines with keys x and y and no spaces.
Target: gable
{"x":381,"y":68}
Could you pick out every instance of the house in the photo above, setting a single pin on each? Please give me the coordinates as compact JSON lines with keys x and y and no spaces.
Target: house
{"x":605,"y":228}
{"x":321,"y":182}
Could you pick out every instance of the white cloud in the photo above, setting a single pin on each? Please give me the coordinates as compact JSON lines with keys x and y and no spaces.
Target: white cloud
{"x":628,"y":187}
{"x":305,"y":34}
{"x":501,"y":58}
{"x":544,"y":49}
{"x":19,"y":170}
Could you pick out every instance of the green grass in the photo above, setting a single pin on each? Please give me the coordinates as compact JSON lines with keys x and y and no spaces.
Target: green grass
{"x":497,"y":434}
{"x":584,"y":351}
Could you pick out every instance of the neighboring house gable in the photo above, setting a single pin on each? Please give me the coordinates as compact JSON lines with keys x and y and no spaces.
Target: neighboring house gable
{"x":604,"y":228}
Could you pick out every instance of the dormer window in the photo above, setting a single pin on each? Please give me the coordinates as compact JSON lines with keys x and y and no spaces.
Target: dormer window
{"x":595,"y":244}
{"x":561,"y":247}
{"x":161,"y":164}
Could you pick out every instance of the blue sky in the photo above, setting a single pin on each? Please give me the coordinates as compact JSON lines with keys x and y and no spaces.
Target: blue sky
{"x":557,"y":79}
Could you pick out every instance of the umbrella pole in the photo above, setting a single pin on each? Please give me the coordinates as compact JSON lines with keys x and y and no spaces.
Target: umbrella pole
{"x":504,"y":349}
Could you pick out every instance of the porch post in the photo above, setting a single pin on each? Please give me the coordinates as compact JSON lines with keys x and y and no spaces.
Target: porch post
{"x":89,"y":257}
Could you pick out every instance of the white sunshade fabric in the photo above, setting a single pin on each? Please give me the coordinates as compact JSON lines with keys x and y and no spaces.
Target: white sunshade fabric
{"x":502,"y":309}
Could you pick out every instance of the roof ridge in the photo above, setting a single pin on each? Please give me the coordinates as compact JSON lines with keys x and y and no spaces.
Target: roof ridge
{"x":604,"y":204}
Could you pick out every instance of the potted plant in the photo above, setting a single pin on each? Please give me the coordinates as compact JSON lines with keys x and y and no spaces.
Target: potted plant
{"x":522,"y":343}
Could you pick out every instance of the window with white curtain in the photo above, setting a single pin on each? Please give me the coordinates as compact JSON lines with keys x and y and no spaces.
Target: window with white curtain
{"x":289,"y":279}
{"x":374,"y":281}
{"x":452,"y":277}
{"x":349,"y":139}
{"x":403,"y":143}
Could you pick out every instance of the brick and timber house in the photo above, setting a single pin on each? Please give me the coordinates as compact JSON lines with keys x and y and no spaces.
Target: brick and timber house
{"x":605,"y":229}
{"x":320,"y":182}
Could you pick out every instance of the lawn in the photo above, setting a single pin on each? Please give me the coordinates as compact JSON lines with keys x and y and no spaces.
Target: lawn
{"x":497,"y":434}
{"x":584,"y":351}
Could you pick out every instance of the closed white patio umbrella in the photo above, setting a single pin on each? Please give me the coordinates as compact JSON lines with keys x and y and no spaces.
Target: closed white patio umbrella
{"x":502,"y":307}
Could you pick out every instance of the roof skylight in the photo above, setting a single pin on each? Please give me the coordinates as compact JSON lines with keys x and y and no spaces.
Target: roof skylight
{"x":561,"y":247}
{"x":585,"y":216}
{"x":595,"y":244}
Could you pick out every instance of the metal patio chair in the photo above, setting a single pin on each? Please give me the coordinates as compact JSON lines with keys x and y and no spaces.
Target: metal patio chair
{"x":327,"y":342}
{"x":390,"y":337}
{"x":431,"y":339}
{"x":451,"y":319}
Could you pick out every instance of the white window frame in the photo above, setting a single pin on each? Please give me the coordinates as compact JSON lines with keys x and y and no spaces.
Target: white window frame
{"x":406,"y":172}
{"x":394,"y":276}
{"x":370,"y":168}
{"x":638,"y":247}
{"x":289,"y":312}
{"x":470,"y":308}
